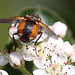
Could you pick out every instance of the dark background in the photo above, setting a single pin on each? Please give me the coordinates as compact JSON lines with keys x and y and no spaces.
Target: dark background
{"x":9,"y":8}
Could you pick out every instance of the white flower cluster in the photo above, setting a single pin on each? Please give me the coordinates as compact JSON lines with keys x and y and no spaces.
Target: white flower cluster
{"x":52,"y":57}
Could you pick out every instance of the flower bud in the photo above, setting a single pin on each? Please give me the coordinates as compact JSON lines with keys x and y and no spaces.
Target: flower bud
{"x":3,"y":61}
{"x":15,"y":59}
{"x":72,"y":58}
{"x":60,"y":29}
{"x":2,"y":72}
{"x":67,"y":48}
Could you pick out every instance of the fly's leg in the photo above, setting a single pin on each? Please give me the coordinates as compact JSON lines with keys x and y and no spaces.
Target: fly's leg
{"x":36,"y":41}
{"x":38,"y":37}
{"x":14,"y":41}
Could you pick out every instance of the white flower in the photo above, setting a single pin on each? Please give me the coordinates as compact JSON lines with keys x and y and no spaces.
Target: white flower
{"x":74,"y":48}
{"x":67,"y":48}
{"x":2,"y":72}
{"x":39,"y":72}
{"x":41,"y":62}
{"x":15,"y":59}
{"x":58,"y":57}
{"x":72,"y":57}
{"x":3,"y":60}
{"x":60,"y":29}
{"x":68,"y":70}
{"x":28,"y":53}
{"x":38,"y":54}
{"x":48,"y":69}
{"x":55,"y":44}
{"x":56,"y":70}
{"x":32,"y":51}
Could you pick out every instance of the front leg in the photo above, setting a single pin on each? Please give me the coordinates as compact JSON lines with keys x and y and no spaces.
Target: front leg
{"x":14,"y":41}
{"x":38,"y":37}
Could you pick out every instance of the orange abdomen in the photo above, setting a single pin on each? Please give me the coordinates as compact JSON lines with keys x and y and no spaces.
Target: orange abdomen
{"x":34,"y":31}
{"x":27,"y":30}
{"x":21,"y":27}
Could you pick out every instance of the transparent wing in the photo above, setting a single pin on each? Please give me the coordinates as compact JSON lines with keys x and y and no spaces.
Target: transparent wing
{"x":11,"y":20}
{"x":45,"y":29}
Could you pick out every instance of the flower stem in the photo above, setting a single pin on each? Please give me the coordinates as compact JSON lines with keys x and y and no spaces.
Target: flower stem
{"x":24,"y":71}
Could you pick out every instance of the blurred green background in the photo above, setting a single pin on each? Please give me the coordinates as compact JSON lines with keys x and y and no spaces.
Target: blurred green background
{"x":9,"y":8}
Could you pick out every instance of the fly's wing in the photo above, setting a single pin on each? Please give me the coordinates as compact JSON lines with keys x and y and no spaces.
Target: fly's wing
{"x":45,"y":29}
{"x":11,"y":20}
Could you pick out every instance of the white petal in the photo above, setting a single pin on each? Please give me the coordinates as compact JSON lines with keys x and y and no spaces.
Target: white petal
{"x":2,"y":72}
{"x":3,"y":61}
{"x":68,"y":70}
{"x":73,"y":47}
{"x":28,"y":53}
{"x":28,"y":57}
{"x":15,"y":59}
{"x":38,"y":61}
{"x":60,"y":29}
{"x":72,"y":57}
{"x":67,"y":49}
{"x":13,"y":30}
{"x":39,"y":72}
{"x":56,"y":44}
{"x":41,"y":62}
{"x":59,"y":57}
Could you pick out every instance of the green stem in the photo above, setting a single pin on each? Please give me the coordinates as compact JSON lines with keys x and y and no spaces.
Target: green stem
{"x":24,"y":71}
